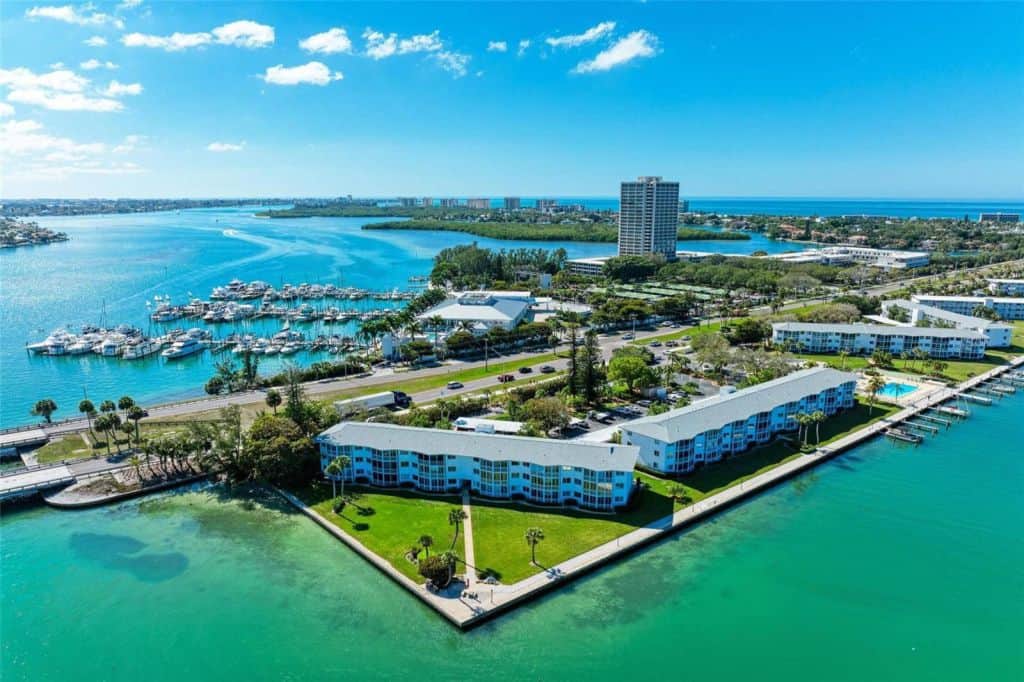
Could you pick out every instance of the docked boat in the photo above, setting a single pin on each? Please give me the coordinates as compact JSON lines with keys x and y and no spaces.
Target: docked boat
{"x":141,"y":348}
{"x":182,"y":347}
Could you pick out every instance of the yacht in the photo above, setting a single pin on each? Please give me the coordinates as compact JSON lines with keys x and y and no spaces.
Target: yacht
{"x":141,"y":349}
{"x":183,"y":346}
{"x":54,"y":344}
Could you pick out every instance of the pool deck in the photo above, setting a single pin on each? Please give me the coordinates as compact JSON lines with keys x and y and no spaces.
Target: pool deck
{"x":490,"y":601}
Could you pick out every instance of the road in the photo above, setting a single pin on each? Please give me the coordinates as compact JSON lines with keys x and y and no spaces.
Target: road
{"x":316,"y":388}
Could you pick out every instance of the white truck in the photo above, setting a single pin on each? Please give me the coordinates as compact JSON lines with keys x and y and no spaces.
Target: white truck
{"x":372,"y":402}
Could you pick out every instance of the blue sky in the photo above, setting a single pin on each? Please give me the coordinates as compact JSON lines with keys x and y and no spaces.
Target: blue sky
{"x":832,"y":100}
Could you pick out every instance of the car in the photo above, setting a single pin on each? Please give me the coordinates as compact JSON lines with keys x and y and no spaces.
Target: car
{"x":505,"y":378}
{"x":644,"y":403}
{"x":655,"y":344}
{"x":687,"y":338}
{"x":602,"y":417}
{"x":628,"y":337}
{"x":671,"y":343}
{"x":525,"y":370}
{"x":452,"y":385}
{"x":547,"y":369}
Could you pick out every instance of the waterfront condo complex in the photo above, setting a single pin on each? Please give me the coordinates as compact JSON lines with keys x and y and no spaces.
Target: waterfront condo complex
{"x":678,"y":441}
{"x":911,"y":313}
{"x":544,"y":471}
{"x":1007,"y":308}
{"x":865,"y":339}
{"x":648,"y":217}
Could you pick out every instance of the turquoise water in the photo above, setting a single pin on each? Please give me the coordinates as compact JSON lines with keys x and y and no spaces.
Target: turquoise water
{"x":114,"y":264}
{"x":889,"y":563}
{"x":894,"y":389}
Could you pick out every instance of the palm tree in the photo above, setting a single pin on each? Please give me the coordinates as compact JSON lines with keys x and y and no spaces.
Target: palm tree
{"x":44,"y":408}
{"x":801,"y":419}
{"x":136,"y":462}
{"x":103,"y":426}
{"x":436,"y":322}
{"x":875,"y":384}
{"x":108,"y":406}
{"x":125,"y":403}
{"x":273,"y":399}
{"x":843,"y":354}
{"x":449,"y":559}
{"x":89,"y":410}
{"x":135,"y":413}
{"x":425,"y":542}
{"x":533,"y":538}
{"x":817,"y":417}
{"x":336,"y":470}
{"x":113,"y":424}
{"x":456,"y":517}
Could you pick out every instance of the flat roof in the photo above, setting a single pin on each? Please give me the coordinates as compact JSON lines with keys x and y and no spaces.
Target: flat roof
{"x":500,"y":309}
{"x":969,"y":320}
{"x":489,"y":446}
{"x":716,"y":412}
{"x":968,"y":299}
{"x":883,"y":329}
{"x":996,"y":280}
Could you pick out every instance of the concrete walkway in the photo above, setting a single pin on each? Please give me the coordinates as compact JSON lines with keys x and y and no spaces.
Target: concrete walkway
{"x":467,"y":538}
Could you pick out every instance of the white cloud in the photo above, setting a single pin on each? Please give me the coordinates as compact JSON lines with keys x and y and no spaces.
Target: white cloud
{"x":453,"y":62}
{"x":379,"y":46}
{"x":334,"y":41}
{"x":634,"y":46}
{"x":42,"y":155}
{"x":225,"y":146}
{"x":245,"y":33}
{"x":129,"y":144}
{"x":313,"y":73}
{"x":96,"y":41}
{"x":85,"y":16}
{"x":116,"y":89}
{"x":426,"y":42}
{"x":129,"y":4}
{"x":6,"y":110}
{"x":171,"y":43}
{"x":497,"y":46}
{"x":97,"y":64}
{"x":588,"y":36}
{"x":59,"y":90}
{"x":524,"y":44}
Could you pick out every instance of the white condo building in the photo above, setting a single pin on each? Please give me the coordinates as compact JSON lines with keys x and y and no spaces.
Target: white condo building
{"x":1007,"y":308}
{"x":997,"y":334}
{"x":1006,"y":287}
{"x":844,"y":255}
{"x":865,"y":339}
{"x":679,"y":441}
{"x":648,"y":217}
{"x":540,"y":470}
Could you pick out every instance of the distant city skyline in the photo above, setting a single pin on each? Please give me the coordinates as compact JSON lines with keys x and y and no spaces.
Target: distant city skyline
{"x":817,"y":101}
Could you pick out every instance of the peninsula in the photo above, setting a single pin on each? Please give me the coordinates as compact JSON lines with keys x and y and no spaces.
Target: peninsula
{"x":15,"y":233}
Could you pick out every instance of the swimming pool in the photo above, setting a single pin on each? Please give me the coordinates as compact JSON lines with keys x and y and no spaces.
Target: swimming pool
{"x":894,"y":389}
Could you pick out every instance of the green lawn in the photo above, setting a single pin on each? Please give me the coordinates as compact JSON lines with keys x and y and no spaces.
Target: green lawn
{"x":680,"y":333}
{"x":70,"y":446}
{"x":390,"y":522}
{"x":956,"y":370}
{"x":499,"y":532}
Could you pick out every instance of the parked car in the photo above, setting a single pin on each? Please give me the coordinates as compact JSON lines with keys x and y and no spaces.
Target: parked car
{"x":644,"y":403}
{"x":672,"y":343}
{"x":505,"y":378}
{"x":452,"y":385}
{"x":655,"y":344}
{"x":525,"y":370}
{"x":547,"y":369}
{"x":628,"y":337}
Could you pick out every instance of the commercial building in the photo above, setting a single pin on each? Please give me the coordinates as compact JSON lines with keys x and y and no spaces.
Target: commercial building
{"x":512,"y":204}
{"x":846,"y":255}
{"x":865,"y":339}
{"x":648,"y":217}
{"x":909,"y":313}
{"x":999,"y":218}
{"x":539,"y":470}
{"x":593,"y":267}
{"x":546,"y":205}
{"x":678,"y":441}
{"x":1006,"y":287}
{"x":478,"y":203}
{"x":1006,"y":308}
{"x":481,"y":310}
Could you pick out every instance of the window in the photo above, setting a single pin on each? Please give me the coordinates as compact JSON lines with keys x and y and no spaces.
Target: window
{"x":451,"y":469}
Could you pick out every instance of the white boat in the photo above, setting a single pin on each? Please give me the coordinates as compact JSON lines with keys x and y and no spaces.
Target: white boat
{"x":272,"y":350}
{"x":183,"y":346}
{"x":143,"y":348}
{"x":111,"y":345}
{"x":57,"y":341}
{"x":80,"y":347}
{"x":288,"y":349}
